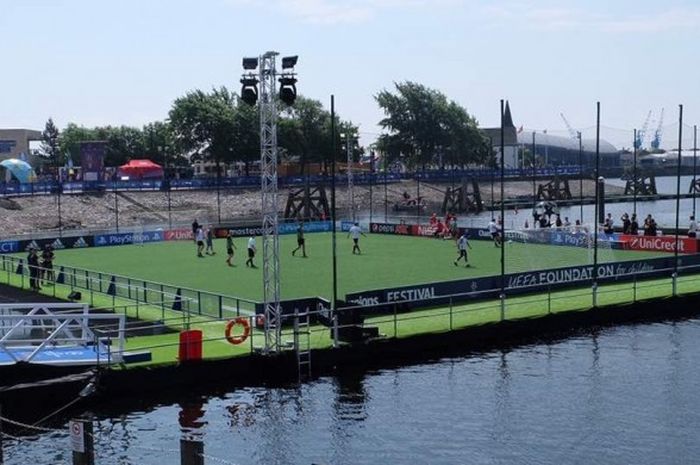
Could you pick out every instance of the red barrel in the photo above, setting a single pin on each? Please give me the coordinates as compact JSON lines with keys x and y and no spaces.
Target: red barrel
{"x":190,"y":345}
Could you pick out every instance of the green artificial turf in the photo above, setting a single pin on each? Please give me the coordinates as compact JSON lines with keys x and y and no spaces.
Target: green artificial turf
{"x":386,"y":261}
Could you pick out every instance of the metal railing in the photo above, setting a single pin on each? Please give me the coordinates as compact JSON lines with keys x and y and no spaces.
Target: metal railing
{"x":57,"y":325}
{"x":140,"y":291}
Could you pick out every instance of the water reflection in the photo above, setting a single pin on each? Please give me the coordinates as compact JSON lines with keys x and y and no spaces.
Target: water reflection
{"x":612,"y":395}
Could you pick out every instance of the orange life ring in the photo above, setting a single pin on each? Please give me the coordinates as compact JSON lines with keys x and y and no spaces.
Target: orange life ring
{"x":235,"y":340}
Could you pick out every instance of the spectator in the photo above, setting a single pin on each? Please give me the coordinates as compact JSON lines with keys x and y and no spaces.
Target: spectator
{"x":693,"y":227}
{"x":634,"y":225}
{"x":626,"y":223}
{"x":608,"y":225}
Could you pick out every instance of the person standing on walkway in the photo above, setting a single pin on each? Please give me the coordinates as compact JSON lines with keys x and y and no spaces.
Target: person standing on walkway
{"x":33,"y":263}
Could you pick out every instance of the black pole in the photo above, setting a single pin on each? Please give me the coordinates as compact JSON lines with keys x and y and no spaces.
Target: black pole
{"x":218,"y":189}
{"x":371,"y":181}
{"x":534,"y":175}
{"x":503,"y":207}
{"x":634,"y":175}
{"x":695,"y":164}
{"x":418,"y":199}
{"x":580,"y":175}
{"x":386,"y":189}
{"x":2,"y":460}
{"x":597,"y":193}
{"x":116,"y":205}
{"x":167,"y":186}
{"x":678,"y":186}
{"x":333,"y":156}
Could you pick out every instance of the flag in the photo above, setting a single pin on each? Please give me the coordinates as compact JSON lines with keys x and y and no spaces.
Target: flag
{"x":520,"y":129}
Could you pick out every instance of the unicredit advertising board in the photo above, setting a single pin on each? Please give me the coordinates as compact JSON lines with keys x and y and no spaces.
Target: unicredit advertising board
{"x":660,"y":243}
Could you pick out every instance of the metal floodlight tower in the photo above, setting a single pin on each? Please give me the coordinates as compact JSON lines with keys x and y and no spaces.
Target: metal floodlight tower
{"x":268,"y":170}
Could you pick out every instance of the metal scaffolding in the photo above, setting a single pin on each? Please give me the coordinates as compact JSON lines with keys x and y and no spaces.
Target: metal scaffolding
{"x":268,"y":167}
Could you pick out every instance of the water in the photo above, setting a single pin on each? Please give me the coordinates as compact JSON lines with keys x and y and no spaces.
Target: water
{"x":618,"y":395}
{"x":664,"y":211}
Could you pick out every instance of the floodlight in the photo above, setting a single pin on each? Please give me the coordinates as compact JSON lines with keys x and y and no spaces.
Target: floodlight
{"x":289,"y":62}
{"x":249,"y":90}
{"x":250,"y":63}
{"x":288,"y":90}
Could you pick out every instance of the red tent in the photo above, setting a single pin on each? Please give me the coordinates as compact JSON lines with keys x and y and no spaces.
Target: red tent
{"x":141,"y":169}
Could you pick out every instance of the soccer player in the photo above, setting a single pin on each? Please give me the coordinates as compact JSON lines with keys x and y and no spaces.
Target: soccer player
{"x":355,"y":232}
{"x":195,"y":227}
{"x":210,"y":241}
{"x":301,"y":243}
{"x":230,"y":247}
{"x":251,"y":252}
{"x":494,"y":231}
{"x":199,"y":237}
{"x":462,"y":244}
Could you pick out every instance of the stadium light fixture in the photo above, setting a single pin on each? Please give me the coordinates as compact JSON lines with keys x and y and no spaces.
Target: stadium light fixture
{"x":249,"y":90}
{"x":289,"y":62}
{"x":288,"y":89}
{"x":250,"y":63}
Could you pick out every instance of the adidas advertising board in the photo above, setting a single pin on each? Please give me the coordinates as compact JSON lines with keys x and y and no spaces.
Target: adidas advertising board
{"x":58,"y":243}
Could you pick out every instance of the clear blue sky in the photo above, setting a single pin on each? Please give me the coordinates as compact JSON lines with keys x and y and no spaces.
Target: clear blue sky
{"x":123,"y":62}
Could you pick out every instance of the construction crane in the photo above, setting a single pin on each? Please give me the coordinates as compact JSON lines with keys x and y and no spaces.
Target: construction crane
{"x":572,"y":133}
{"x":641,"y":134}
{"x":656,"y":141}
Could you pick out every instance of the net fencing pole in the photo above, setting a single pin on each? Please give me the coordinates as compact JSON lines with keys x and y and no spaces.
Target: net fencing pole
{"x":597,"y":194}
{"x":695,"y":162}
{"x":333,"y":229}
{"x":678,"y":194}
{"x":503,"y":217}
{"x":580,"y":174}
{"x":634,"y":175}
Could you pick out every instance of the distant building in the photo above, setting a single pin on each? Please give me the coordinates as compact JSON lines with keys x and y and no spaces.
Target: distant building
{"x":557,"y":150}
{"x":510,"y":141}
{"x":550,"y":150}
{"x":15,"y":142}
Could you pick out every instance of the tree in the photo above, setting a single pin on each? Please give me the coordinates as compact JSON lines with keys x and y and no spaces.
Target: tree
{"x":204,"y":124}
{"x":50,"y":143}
{"x":305,"y":131}
{"x":424,"y":127}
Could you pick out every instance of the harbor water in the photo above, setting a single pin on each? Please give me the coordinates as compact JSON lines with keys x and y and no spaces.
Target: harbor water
{"x":617,"y":395}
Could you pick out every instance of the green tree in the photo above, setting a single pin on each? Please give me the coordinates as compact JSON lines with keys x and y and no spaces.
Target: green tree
{"x":50,"y":143}
{"x":424,"y":127}
{"x":204,"y":124}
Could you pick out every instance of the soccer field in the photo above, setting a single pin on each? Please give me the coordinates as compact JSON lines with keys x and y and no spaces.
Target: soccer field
{"x":386,"y":261}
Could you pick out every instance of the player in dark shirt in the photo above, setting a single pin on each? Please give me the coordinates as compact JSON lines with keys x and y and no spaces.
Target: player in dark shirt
{"x":301,"y":242}
{"x":34,"y":274}
{"x":230,"y":247}
{"x":47,"y":257}
{"x":195,"y":227}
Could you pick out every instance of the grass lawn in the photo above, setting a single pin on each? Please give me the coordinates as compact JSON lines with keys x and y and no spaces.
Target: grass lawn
{"x":386,"y":261}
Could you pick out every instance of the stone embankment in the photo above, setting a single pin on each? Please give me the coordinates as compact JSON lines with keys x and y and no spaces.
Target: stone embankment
{"x":96,"y":211}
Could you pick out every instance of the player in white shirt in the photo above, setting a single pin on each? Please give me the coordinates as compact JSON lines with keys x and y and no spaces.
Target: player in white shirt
{"x":355,"y":232}
{"x":462,"y":244}
{"x":494,"y":231}
{"x":251,"y":252}
{"x":200,"y":241}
